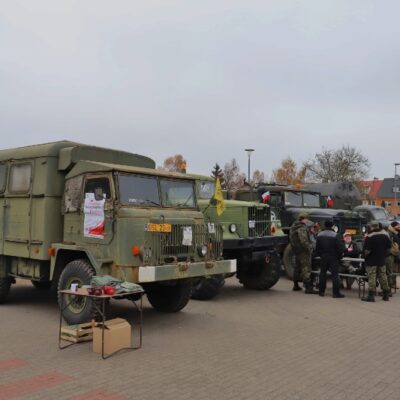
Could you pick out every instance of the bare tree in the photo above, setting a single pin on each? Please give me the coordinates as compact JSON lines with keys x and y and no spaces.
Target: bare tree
{"x":288,"y":173}
{"x":175,"y":163}
{"x":258,"y":177}
{"x":344,"y":164}
{"x":234,"y":178}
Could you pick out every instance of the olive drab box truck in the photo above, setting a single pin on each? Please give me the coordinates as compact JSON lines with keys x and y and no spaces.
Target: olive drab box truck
{"x":70,"y":211}
{"x":249,"y":235}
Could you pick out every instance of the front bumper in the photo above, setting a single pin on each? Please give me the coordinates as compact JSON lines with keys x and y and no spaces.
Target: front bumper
{"x":263,"y":243}
{"x":184,"y":270}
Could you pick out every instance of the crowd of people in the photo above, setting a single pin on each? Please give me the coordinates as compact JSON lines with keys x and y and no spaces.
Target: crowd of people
{"x":338,"y":254}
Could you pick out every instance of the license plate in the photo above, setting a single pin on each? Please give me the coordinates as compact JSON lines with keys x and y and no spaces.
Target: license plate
{"x":165,"y":228}
{"x":351,"y":231}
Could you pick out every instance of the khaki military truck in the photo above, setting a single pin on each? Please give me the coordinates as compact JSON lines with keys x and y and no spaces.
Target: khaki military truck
{"x":70,"y":211}
{"x":249,"y":235}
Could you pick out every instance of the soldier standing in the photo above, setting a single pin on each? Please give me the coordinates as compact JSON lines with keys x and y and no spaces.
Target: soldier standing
{"x":330,"y":248}
{"x":376,"y":246}
{"x":301,"y":244}
{"x":393,"y":254}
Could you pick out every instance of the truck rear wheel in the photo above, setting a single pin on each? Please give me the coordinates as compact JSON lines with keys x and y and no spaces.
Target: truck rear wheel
{"x":208,"y":287}
{"x":169,"y":296}
{"x":80,"y":309}
{"x":262,"y":277}
{"x":5,"y":284}
{"x":289,"y":261}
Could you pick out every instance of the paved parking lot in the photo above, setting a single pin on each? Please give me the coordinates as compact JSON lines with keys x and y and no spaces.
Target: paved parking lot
{"x":277,"y":344}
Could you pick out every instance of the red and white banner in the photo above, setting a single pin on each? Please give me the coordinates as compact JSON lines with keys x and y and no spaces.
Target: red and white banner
{"x":94,"y":222}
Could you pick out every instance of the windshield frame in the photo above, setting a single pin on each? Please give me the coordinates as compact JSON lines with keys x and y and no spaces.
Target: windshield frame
{"x":188,"y":181}
{"x":200,"y":182}
{"x":158,"y":180}
{"x":298,"y":194}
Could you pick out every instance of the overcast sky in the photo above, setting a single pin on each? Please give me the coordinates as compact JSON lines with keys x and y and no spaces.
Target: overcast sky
{"x":204,"y":78}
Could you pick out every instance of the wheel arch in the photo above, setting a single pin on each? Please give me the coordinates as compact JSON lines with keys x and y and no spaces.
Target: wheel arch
{"x":64,"y":255}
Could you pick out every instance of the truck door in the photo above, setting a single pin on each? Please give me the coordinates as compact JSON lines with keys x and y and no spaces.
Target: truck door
{"x":3,"y":175}
{"x":17,"y":210}
{"x":98,"y":212}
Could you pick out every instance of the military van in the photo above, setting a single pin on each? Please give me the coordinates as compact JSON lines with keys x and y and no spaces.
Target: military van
{"x":249,"y":235}
{"x":70,"y":211}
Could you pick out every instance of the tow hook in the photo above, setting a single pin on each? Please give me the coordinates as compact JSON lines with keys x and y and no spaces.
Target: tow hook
{"x":183,"y":267}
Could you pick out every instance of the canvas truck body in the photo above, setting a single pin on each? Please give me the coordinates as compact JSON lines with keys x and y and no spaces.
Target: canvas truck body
{"x":70,"y":211}
{"x":249,"y":235}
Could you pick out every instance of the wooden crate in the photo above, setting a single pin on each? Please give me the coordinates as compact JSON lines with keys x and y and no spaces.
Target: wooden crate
{"x":78,"y":333}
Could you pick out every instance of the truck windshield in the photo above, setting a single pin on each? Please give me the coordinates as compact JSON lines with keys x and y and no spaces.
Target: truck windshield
{"x":293,"y":199}
{"x":311,"y":200}
{"x":137,"y":190}
{"x":205,"y":189}
{"x":380,"y":215}
{"x":176,"y":193}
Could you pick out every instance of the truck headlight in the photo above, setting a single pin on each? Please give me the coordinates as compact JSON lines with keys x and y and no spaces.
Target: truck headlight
{"x":232,"y":228}
{"x":363,"y":229}
{"x":335,"y":228}
{"x":202,"y":250}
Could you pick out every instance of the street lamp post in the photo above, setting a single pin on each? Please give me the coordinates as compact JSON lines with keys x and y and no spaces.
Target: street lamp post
{"x":249,"y":151}
{"x":395,"y":188}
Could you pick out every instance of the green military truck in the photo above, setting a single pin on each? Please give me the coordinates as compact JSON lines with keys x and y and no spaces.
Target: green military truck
{"x":288,"y":202}
{"x":71,"y":211}
{"x":249,"y":236}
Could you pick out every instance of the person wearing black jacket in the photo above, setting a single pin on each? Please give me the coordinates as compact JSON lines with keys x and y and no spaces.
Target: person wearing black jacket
{"x":376,"y":246}
{"x":330,"y":248}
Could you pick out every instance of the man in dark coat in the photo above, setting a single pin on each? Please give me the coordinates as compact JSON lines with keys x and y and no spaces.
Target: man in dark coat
{"x":376,"y":247}
{"x":330,"y":248}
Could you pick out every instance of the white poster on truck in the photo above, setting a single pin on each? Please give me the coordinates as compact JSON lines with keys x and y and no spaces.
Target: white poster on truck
{"x":94,"y":222}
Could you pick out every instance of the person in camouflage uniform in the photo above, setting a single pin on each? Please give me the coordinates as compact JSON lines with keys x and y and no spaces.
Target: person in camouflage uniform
{"x":376,"y":246}
{"x":393,"y":254}
{"x":299,"y":238}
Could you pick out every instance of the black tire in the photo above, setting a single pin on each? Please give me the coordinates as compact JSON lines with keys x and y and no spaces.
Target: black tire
{"x":81,"y":309}
{"x":263,"y":275}
{"x":208,"y":287}
{"x":289,"y":261}
{"x":5,"y":284}
{"x":41,"y":285}
{"x":169,"y":296}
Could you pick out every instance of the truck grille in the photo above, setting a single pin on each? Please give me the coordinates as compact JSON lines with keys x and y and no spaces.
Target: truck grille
{"x":165,"y":248}
{"x":259,"y":222}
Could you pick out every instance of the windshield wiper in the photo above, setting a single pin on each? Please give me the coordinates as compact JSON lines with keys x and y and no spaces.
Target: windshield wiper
{"x":152,"y":202}
{"x":185,"y":202}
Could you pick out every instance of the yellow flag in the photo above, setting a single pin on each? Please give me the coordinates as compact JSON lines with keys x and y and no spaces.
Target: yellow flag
{"x":219,"y":197}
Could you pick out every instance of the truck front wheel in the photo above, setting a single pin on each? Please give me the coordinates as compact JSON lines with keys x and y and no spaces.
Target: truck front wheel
{"x":80,"y":309}
{"x":169,"y":296}
{"x":208,"y":287}
{"x":5,"y":284}
{"x":261,"y":275}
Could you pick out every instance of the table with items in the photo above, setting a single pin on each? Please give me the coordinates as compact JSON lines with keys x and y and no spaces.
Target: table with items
{"x":99,"y":302}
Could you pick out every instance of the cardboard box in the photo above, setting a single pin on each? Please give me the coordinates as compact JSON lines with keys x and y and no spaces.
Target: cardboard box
{"x":117,"y":335}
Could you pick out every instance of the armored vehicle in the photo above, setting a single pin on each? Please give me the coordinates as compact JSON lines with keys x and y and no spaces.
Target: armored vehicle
{"x":249,"y":236}
{"x":288,"y":202}
{"x":70,"y":211}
